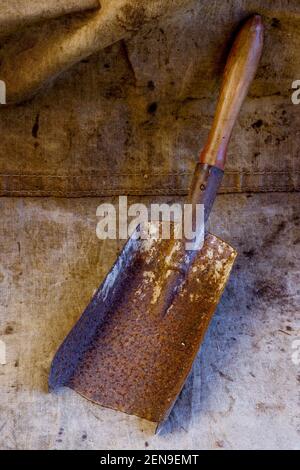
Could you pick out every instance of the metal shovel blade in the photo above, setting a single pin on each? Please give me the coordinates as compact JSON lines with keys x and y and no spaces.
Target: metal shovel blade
{"x":122,"y":353}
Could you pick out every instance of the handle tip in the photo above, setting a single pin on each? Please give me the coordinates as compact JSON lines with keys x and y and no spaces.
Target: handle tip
{"x":256,"y":23}
{"x":256,"y":20}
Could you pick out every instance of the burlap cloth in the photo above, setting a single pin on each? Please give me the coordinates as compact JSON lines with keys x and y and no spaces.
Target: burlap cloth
{"x":132,"y":117}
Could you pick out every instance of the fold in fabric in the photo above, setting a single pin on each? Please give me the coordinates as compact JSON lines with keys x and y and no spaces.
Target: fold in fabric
{"x":15,"y":13}
{"x":43,"y":51}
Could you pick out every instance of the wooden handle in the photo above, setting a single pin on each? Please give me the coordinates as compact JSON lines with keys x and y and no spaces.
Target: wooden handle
{"x":239,"y":72}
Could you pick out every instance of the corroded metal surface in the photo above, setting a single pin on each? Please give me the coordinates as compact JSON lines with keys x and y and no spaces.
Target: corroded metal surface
{"x":123,"y":353}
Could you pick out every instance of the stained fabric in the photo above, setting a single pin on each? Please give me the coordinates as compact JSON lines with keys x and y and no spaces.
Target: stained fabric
{"x":119,"y":99}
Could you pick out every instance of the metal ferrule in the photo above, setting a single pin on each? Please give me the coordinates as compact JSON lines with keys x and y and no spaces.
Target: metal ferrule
{"x":205,"y":184}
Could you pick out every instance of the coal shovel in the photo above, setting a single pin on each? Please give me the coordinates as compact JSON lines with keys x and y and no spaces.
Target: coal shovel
{"x":134,"y":346}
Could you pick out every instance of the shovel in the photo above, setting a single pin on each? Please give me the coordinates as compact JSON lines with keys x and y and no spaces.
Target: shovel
{"x":134,"y":345}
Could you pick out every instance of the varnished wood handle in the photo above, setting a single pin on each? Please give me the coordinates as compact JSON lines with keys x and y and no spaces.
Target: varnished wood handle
{"x":239,"y":72}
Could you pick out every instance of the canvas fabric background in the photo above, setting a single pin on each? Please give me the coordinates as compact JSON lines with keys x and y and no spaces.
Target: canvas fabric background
{"x":132,"y":118}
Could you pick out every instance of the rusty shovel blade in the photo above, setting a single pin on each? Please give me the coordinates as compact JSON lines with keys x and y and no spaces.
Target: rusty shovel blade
{"x":122,"y":353}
